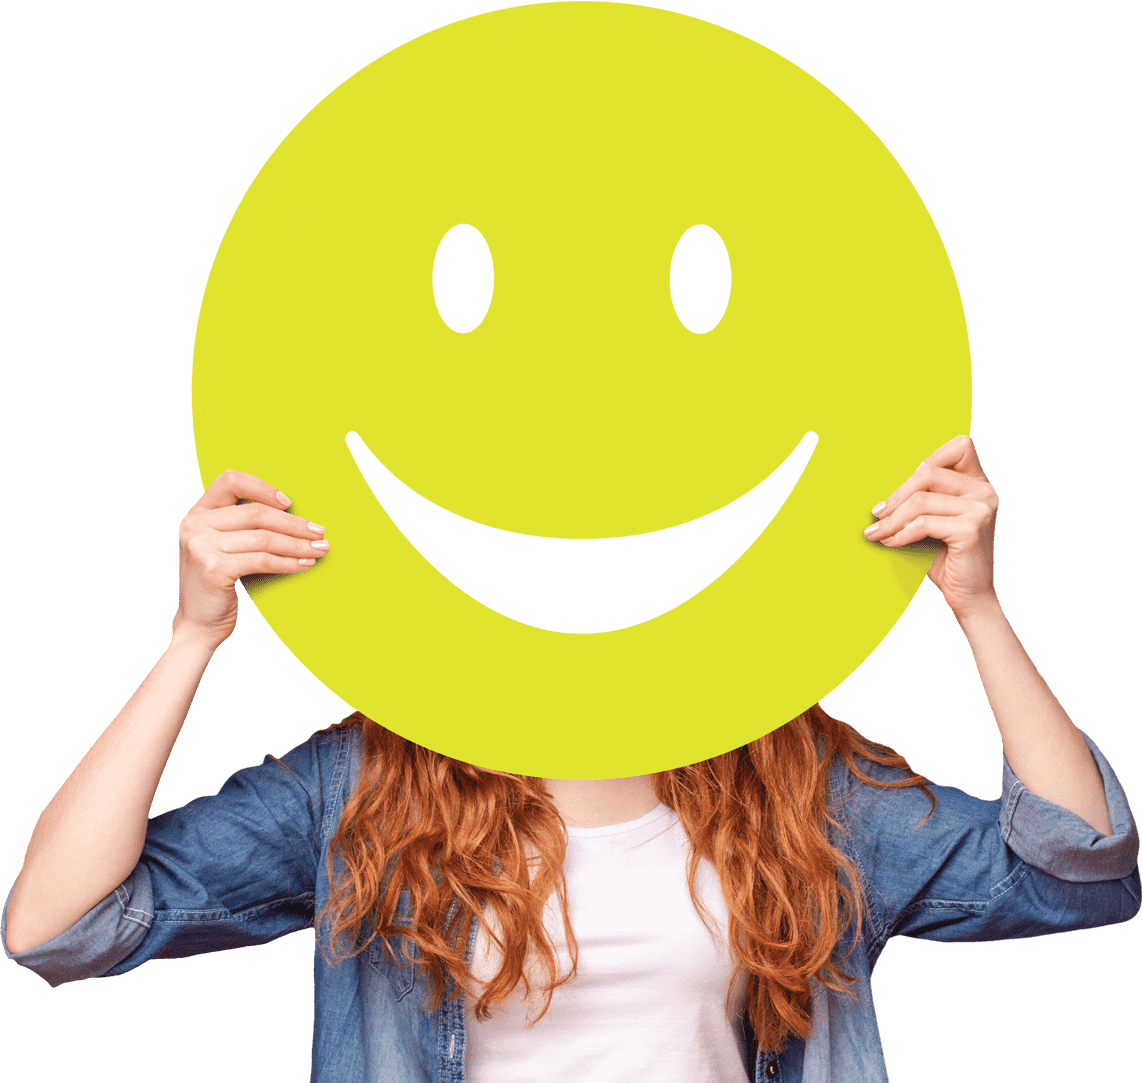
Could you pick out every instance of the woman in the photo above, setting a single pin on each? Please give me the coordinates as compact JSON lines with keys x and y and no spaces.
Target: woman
{"x":457,"y":906}
{"x":1016,"y":233}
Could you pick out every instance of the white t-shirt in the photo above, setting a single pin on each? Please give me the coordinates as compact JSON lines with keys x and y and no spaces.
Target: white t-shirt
{"x":652,"y":983}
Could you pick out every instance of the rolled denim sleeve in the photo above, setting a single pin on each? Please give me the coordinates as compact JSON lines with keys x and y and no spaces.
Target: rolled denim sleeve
{"x":986,"y":870}
{"x":1060,"y":842}
{"x":226,"y":871}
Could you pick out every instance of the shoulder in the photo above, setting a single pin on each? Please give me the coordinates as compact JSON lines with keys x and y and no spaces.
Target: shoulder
{"x":325,"y":767}
{"x":325,"y":757}
{"x":304,"y":789}
{"x":875,"y":793}
{"x":873,"y":801}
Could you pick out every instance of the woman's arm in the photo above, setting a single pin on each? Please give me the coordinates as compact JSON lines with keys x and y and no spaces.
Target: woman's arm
{"x":89,"y":838}
{"x":949,"y":498}
{"x":1043,"y":747}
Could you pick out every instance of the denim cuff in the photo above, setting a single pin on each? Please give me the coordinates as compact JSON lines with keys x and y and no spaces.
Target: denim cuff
{"x":1063,"y":844}
{"x":112,"y":929}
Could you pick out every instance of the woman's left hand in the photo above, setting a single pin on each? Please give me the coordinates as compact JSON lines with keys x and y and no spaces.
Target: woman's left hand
{"x":947,"y":498}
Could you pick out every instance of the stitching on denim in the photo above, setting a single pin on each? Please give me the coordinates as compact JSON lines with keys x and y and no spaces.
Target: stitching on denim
{"x":128,"y":913}
{"x":968,"y":906}
{"x":220,"y":913}
{"x":879,"y":928}
{"x":1018,"y":791}
{"x":337,"y":799}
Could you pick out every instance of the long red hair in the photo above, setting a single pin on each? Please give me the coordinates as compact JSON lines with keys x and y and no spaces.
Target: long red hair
{"x":469,"y":843}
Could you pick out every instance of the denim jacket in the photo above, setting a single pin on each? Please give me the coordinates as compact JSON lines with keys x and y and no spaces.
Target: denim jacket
{"x":249,"y":865}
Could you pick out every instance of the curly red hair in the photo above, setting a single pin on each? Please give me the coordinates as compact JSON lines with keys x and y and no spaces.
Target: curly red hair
{"x":469,"y":843}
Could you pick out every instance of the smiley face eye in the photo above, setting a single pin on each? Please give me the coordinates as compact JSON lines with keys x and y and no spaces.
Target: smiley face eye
{"x":700,"y":279}
{"x":463,"y":278}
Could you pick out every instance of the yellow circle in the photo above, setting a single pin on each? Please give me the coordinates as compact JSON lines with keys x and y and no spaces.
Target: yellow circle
{"x":582,"y":141}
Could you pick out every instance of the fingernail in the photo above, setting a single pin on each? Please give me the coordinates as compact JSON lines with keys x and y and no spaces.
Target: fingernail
{"x":880,"y":508}
{"x":870,"y":529}
{"x":308,"y":562}
{"x":283,"y":500}
{"x":323,"y":544}
{"x":315,"y":528}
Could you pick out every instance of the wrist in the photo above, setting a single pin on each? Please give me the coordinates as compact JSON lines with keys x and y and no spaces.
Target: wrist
{"x":981,"y":613}
{"x":194,"y":638}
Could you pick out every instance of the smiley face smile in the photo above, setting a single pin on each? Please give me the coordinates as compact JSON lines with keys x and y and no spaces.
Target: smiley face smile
{"x":581,"y":585}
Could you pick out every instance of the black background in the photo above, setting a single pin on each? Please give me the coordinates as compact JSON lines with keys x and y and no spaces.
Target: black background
{"x":138,"y":138}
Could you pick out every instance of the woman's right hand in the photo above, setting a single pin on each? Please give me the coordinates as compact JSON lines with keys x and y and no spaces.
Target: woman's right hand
{"x":221,"y":540}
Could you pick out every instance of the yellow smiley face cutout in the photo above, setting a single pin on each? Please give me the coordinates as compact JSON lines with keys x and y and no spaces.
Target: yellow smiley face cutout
{"x":591,"y":333}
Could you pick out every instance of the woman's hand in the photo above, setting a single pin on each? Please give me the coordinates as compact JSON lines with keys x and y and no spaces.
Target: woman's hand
{"x":947,"y":498}
{"x":221,"y":540}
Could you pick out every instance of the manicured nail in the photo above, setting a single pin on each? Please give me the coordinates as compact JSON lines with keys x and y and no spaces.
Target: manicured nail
{"x":283,"y":500}
{"x":307,"y":563}
{"x":323,"y":544}
{"x":315,"y":528}
{"x":880,"y":508}
{"x":870,"y":529}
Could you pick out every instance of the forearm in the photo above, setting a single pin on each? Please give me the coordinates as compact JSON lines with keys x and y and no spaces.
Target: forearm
{"x":91,"y":834}
{"x":1043,"y":747}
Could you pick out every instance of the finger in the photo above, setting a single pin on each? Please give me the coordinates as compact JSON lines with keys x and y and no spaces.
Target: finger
{"x":957,"y":454}
{"x":230,"y":567}
{"x":210,"y":551}
{"x":956,"y":531}
{"x":919,"y":503}
{"x":269,"y":541}
{"x":258,"y":516}
{"x":935,"y":479}
{"x":232,"y":485}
